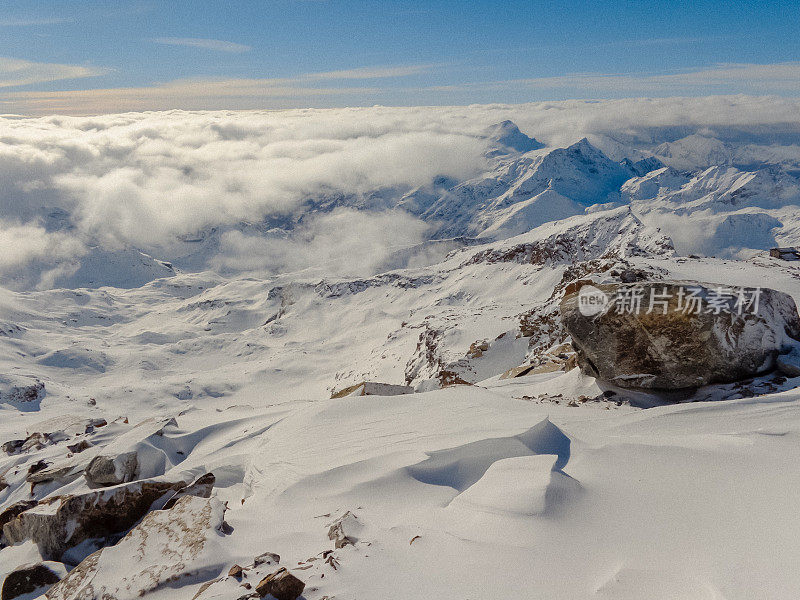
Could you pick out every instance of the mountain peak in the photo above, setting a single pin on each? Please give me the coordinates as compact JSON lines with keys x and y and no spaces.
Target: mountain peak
{"x":508,"y":139}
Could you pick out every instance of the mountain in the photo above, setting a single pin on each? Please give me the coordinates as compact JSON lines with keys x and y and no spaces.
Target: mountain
{"x":506,"y":138}
{"x":202,"y":393}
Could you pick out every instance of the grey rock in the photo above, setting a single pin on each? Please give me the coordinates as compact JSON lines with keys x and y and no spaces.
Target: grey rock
{"x":669,"y":348}
{"x":112,"y":470}
{"x":267,"y":558}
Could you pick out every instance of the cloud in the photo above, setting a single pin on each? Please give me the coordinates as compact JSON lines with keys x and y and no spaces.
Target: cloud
{"x":205,"y":44}
{"x":258,"y":190}
{"x":370,"y":73}
{"x":205,"y":94}
{"x":34,"y":22}
{"x":345,"y":242}
{"x":191,"y":94}
{"x":17,"y":72}
{"x":151,"y":180}
{"x":753,"y":78}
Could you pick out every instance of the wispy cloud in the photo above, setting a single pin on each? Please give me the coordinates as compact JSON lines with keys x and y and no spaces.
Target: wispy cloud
{"x":17,"y":72}
{"x":768,"y":78}
{"x":34,"y":22}
{"x":370,"y":72}
{"x":184,"y":93}
{"x":205,"y":44}
{"x":303,"y":90}
{"x":734,"y":78}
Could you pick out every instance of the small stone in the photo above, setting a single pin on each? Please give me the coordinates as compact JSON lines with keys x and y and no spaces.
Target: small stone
{"x":39,"y":465}
{"x":79,"y":447}
{"x":267,"y":558}
{"x":235,"y":571}
{"x":343,"y":531}
{"x":13,"y":446}
{"x":282,"y":585}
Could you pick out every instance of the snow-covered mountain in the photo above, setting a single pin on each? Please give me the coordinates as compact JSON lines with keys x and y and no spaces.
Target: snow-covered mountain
{"x":175,"y":327}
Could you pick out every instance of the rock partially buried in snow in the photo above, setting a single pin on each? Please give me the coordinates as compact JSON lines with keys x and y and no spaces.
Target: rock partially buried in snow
{"x":344,"y":530}
{"x":789,"y":364}
{"x":372,"y":388}
{"x":281,"y":585}
{"x":169,"y":547}
{"x":31,"y":578}
{"x":112,"y":470}
{"x":672,"y":335}
{"x":19,"y":390}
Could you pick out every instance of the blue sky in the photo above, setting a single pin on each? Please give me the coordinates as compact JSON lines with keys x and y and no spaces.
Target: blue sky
{"x":78,"y":56}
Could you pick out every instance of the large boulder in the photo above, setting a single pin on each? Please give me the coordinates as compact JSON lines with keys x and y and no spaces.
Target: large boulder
{"x":174,"y":548}
{"x":672,"y":335}
{"x":58,"y":524}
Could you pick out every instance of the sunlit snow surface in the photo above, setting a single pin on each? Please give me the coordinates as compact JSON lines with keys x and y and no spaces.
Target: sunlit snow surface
{"x":499,"y":489}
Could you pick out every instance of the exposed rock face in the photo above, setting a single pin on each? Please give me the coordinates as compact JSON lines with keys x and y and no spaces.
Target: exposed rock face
{"x":112,"y":470}
{"x":372,"y":388}
{"x":28,"y":579}
{"x":168,"y":546}
{"x":683,"y":335}
{"x":63,"y":522}
{"x":281,"y":584}
{"x":11,"y":512}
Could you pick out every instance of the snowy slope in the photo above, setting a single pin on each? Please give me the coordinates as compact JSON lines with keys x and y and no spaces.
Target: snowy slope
{"x":215,"y":345}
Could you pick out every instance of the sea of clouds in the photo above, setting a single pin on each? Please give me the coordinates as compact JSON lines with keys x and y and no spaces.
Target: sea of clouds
{"x":149,"y":181}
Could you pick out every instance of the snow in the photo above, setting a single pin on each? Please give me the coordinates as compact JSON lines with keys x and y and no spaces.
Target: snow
{"x":553,"y":485}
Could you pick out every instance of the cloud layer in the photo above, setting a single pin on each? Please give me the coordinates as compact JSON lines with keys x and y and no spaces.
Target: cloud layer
{"x":152,"y":181}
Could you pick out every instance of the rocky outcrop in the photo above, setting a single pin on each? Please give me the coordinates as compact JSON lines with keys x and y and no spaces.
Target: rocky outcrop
{"x":18,"y":390}
{"x":135,"y":454}
{"x":168,"y":546}
{"x":281,"y":585}
{"x":26,"y":580}
{"x":12,"y":512}
{"x":60,"y":523}
{"x":372,"y":388}
{"x":672,"y":335}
